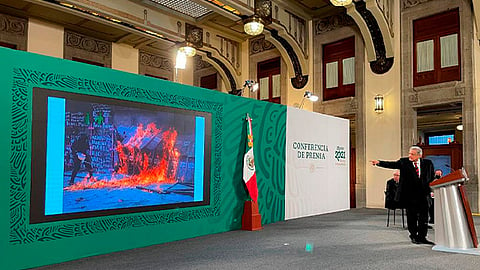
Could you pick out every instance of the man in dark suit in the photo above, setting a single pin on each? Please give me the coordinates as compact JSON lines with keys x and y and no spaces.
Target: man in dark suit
{"x":391,"y":191}
{"x":413,"y":190}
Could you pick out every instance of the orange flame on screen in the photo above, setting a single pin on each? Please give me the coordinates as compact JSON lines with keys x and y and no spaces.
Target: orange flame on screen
{"x":148,"y":172}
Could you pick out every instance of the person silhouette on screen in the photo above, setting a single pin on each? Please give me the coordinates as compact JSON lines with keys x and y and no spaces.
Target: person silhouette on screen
{"x":80,"y":154}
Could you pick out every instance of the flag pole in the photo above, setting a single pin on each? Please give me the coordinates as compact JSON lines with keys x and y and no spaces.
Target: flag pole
{"x":251,"y":218}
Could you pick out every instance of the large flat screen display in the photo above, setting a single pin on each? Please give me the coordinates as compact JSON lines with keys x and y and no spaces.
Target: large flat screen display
{"x":95,"y":156}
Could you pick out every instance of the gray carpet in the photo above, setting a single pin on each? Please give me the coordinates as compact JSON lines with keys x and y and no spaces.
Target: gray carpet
{"x":354,"y":239}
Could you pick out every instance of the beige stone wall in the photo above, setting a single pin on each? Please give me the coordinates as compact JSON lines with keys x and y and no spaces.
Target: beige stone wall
{"x":124,"y":58}
{"x":476,"y":79}
{"x":383,"y":134}
{"x":45,"y":38}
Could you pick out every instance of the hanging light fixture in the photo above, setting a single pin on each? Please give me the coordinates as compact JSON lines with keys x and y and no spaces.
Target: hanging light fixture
{"x":262,"y":16}
{"x":341,"y":3}
{"x":188,"y":50}
{"x":379,"y":104}
{"x":193,"y":40}
{"x":253,"y":25}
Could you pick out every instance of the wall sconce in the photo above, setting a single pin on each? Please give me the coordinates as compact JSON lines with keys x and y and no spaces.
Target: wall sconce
{"x":341,"y":3}
{"x":379,"y":104}
{"x":250,"y":84}
{"x":460,"y":126}
{"x":308,"y":95}
{"x":254,"y":25}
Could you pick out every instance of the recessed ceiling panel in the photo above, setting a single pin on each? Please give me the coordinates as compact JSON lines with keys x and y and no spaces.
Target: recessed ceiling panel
{"x":186,"y":7}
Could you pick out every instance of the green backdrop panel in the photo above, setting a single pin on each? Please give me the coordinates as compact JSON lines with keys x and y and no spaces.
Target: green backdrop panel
{"x":28,"y":245}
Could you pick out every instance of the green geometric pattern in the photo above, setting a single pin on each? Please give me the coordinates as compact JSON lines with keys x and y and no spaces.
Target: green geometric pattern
{"x":24,"y":81}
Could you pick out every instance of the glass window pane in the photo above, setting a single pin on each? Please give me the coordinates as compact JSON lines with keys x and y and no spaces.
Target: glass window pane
{"x":264,"y":88}
{"x":449,"y":50}
{"x":441,"y":139}
{"x":349,"y":70}
{"x":331,"y":75}
{"x":276,"y":85}
{"x":425,"y":56}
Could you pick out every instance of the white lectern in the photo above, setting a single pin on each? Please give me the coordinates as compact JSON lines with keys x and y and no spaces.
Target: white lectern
{"x":454,"y":228}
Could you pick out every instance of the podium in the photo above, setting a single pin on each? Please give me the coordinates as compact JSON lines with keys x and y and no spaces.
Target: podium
{"x":454,"y":228}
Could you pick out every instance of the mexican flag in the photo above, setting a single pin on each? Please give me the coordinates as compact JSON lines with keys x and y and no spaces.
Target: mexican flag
{"x":249,"y":175}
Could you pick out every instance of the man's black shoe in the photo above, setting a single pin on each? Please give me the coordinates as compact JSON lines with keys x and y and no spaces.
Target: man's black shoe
{"x":414,"y":240}
{"x":424,"y":241}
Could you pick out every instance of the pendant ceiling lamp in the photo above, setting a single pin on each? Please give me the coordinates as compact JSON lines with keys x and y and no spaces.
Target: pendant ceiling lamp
{"x":341,"y":3}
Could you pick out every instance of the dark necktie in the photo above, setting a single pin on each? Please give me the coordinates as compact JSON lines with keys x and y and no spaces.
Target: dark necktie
{"x":416,"y":168}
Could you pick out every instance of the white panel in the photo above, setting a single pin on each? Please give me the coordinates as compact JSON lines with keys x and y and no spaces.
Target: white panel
{"x":331,"y":75}
{"x":276,"y":85}
{"x":449,"y":50}
{"x":317,"y":164}
{"x":425,"y":56}
{"x":263,"y":88}
{"x":349,"y":70}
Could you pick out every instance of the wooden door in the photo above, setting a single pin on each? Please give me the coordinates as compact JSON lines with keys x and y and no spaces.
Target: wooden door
{"x":353,"y":178}
{"x":448,"y":157}
{"x":268,"y":77}
{"x":209,"y":82}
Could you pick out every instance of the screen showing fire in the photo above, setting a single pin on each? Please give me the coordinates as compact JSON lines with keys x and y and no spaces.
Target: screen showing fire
{"x":94,"y":156}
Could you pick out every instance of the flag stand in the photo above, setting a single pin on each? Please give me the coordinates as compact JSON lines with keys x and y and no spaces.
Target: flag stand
{"x":251,"y":218}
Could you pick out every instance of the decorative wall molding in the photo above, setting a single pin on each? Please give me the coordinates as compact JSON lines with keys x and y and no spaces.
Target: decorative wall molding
{"x":381,"y":64}
{"x":229,"y":76}
{"x":413,"y":98}
{"x":460,"y":92}
{"x":411,"y":3}
{"x":230,"y":50}
{"x":299,"y":80}
{"x":88,"y":44}
{"x":194,"y":35}
{"x":13,"y":25}
{"x":80,"y":46}
{"x":13,"y":30}
{"x":156,"y":61}
{"x":296,"y":27}
{"x":386,"y":7}
{"x":260,"y":44}
{"x":332,"y":23}
{"x":199,"y":64}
